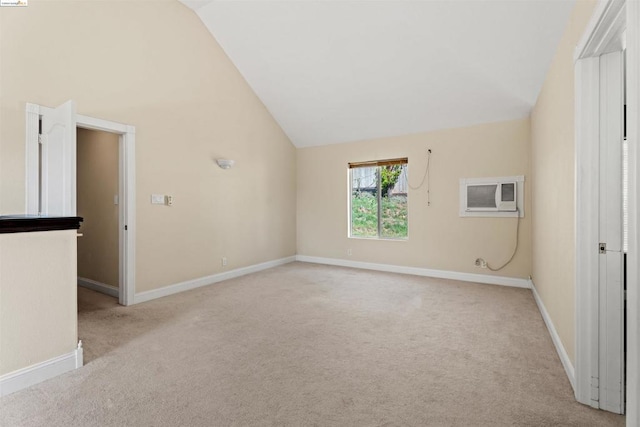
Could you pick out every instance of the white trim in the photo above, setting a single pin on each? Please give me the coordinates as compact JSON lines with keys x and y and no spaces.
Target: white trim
{"x":611,"y":361}
{"x":128,"y":237}
{"x":127,"y":206}
{"x":562,"y":353}
{"x":633,"y":254}
{"x":493,"y":180}
{"x":416,"y":271}
{"x":34,"y":374}
{"x":587,"y":181}
{"x":93,"y":123}
{"x":208,"y":280}
{"x":602,"y":34}
{"x":487,"y":214}
{"x":32,"y":160}
{"x":94,"y":285}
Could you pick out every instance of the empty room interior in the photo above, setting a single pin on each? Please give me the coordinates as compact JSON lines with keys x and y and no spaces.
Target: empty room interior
{"x":220,"y":212}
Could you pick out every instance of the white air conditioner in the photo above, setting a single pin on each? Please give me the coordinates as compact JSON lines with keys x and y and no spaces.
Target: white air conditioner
{"x":492,"y":197}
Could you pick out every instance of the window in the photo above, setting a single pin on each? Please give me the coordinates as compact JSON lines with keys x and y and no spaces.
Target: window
{"x":378,"y":199}
{"x":492,"y":196}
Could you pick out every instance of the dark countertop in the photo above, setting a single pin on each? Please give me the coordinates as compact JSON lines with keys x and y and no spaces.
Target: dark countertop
{"x":28,"y":223}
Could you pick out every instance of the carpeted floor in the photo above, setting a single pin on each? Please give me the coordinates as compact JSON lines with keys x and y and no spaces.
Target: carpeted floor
{"x":305,"y":344}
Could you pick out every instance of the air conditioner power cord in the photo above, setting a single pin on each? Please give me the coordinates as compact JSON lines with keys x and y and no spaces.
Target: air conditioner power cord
{"x":514,"y":249}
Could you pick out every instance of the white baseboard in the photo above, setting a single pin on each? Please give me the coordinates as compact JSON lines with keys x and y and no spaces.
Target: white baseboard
{"x":440,"y":274}
{"x":98,"y":287}
{"x":34,"y":374}
{"x":564,"y":357}
{"x":208,"y":280}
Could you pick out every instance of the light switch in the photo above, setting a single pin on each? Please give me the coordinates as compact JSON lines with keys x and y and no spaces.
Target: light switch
{"x":157,"y":199}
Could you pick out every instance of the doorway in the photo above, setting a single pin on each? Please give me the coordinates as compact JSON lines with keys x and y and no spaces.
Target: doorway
{"x":51,"y":176}
{"x":97,"y":203}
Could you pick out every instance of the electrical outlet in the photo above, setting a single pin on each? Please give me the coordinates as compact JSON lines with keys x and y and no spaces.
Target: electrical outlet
{"x":169,"y":200}
{"x":481,"y":263}
{"x":224,"y":261}
{"x":349,"y":252}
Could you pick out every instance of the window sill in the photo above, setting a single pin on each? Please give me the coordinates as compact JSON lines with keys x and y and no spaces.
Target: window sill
{"x":490,"y":214}
{"x":383,"y":239}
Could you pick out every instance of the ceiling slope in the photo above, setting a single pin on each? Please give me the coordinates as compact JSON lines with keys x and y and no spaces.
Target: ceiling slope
{"x":339,"y":71}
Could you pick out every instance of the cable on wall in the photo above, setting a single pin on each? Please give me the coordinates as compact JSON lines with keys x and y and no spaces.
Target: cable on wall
{"x":425,"y":176}
{"x":514,"y":249}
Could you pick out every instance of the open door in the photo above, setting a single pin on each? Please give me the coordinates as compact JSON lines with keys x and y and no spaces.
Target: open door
{"x":51,"y":175}
{"x":611,"y":268}
{"x":57,"y":142}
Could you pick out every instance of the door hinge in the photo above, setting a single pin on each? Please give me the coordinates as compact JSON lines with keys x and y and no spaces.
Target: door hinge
{"x":603,"y":248}
{"x":595,"y":391}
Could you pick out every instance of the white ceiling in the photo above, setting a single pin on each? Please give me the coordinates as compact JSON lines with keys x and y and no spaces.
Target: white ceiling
{"x":339,"y":71}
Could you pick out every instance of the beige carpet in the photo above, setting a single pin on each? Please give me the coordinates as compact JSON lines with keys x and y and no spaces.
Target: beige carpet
{"x":305,"y":344}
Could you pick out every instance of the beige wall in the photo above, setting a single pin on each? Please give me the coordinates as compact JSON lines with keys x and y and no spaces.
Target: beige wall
{"x":438,"y":237}
{"x":38,"y":304}
{"x":97,"y":184}
{"x":155,"y":66}
{"x":553,"y":183}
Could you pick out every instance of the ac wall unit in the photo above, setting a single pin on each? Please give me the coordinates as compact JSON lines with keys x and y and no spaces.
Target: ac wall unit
{"x":492,"y":197}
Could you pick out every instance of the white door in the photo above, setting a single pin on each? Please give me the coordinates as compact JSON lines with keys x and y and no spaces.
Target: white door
{"x":611,"y":292}
{"x":58,"y":161}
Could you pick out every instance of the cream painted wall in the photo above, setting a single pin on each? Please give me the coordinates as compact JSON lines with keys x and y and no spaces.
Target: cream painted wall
{"x":97,"y":184}
{"x":38,"y":308}
{"x":155,"y":66}
{"x":438,"y":237}
{"x":553,"y":183}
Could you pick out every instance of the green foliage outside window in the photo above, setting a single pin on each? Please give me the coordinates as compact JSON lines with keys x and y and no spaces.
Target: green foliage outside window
{"x":376,"y":215}
{"x":390,"y":175}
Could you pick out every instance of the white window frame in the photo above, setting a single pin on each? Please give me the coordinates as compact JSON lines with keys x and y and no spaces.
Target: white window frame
{"x":465,"y":182}
{"x":349,"y":211}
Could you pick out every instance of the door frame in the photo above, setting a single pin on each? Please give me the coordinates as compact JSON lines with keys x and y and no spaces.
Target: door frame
{"x":633,"y":253}
{"x":126,"y":187}
{"x":611,"y":21}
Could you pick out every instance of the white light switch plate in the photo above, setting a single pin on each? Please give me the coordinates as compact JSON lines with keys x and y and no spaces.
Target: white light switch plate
{"x":157,"y":199}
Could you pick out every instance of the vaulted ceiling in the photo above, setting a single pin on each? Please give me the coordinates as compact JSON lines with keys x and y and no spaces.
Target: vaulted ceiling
{"x":340,"y":71}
